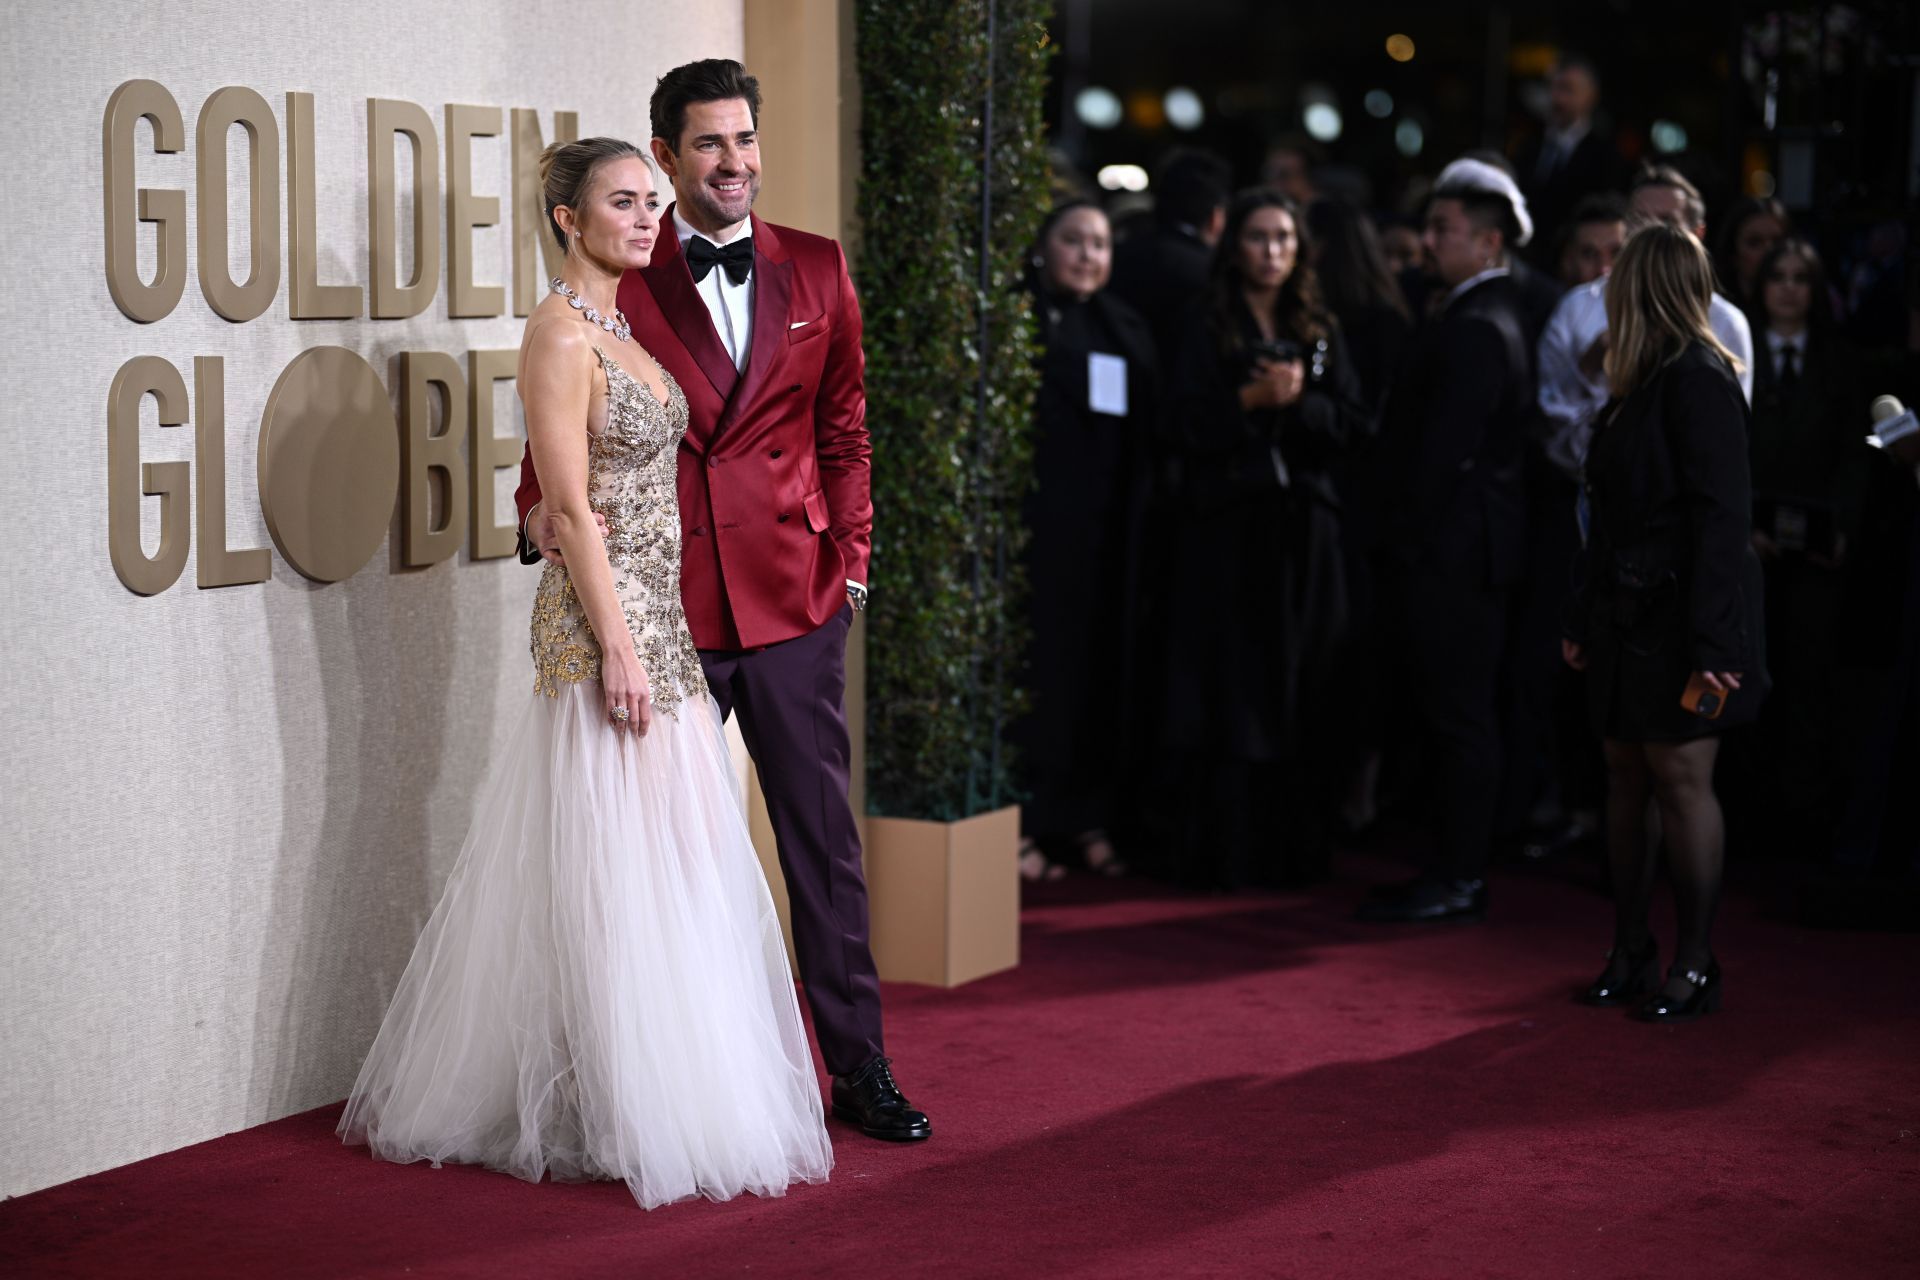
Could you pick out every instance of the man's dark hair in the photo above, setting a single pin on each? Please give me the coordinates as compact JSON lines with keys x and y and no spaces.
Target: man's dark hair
{"x":1191,"y":184}
{"x":1602,"y":206}
{"x":710,"y":80}
{"x":1487,"y":210}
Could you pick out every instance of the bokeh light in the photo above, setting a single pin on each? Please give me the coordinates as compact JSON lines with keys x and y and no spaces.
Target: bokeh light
{"x":1184,"y":109}
{"x":1145,"y":111}
{"x":1322,"y":120}
{"x":1097,"y":108}
{"x":1400,"y":48}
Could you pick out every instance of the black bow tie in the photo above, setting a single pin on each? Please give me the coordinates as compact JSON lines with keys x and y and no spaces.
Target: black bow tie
{"x":736,"y":258}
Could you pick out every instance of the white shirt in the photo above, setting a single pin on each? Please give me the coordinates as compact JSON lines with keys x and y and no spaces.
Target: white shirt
{"x":729,"y":304}
{"x":1571,"y":400}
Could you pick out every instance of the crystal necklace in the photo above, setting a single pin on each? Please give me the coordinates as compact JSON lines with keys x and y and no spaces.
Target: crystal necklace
{"x":615,"y":324}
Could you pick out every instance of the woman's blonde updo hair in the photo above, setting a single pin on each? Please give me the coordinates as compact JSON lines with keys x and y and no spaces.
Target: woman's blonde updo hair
{"x":1659,"y":300}
{"x":567,"y":167}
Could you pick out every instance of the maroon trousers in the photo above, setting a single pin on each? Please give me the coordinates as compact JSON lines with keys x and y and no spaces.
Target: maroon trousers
{"x":791,"y":700}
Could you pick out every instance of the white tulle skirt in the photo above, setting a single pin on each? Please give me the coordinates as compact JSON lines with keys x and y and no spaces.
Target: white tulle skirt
{"x":602,"y":991}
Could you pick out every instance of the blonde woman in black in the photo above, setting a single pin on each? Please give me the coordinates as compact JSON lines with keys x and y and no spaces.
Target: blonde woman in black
{"x":1668,"y":623}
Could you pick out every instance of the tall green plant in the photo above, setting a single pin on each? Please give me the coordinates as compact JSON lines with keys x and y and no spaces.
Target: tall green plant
{"x":953,"y":185}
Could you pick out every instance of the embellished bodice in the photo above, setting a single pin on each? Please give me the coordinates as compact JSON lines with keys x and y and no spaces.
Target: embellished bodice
{"x":631,"y":480}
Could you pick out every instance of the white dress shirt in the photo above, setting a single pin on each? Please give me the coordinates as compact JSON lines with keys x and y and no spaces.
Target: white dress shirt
{"x":1571,"y":401}
{"x":730,"y":304}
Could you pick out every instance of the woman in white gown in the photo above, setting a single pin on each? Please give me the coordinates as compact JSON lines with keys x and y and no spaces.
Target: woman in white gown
{"x":602,"y":991}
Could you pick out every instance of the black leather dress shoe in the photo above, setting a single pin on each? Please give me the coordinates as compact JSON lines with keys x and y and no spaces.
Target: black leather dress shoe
{"x":1629,"y":974}
{"x":1702,"y":997}
{"x":869,"y":1098}
{"x":1461,"y":900}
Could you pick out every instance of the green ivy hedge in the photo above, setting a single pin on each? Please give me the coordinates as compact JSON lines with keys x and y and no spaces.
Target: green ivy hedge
{"x":952,"y":153}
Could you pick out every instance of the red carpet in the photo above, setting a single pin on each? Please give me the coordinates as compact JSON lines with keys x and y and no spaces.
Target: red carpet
{"x":1196,"y":1086}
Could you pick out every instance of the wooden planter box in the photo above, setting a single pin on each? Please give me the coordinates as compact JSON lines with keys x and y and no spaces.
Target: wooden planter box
{"x":944,"y":897}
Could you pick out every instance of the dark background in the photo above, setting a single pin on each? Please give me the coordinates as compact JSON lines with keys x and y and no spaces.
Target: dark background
{"x":1839,"y":148}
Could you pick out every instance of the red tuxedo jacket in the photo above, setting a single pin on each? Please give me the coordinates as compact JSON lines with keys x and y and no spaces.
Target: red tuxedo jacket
{"x":776,"y":506}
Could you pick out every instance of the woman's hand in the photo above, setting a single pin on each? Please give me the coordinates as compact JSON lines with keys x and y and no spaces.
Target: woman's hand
{"x":623,"y":682}
{"x":1721,"y":682}
{"x":1573,"y":655}
{"x":1275,"y":385}
{"x":541,"y":528}
{"x":1593,"y":361}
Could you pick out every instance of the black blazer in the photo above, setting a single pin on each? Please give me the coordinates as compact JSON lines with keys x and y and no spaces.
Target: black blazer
{"x":1447,"y":495}
{"x":1161,"y":274}
{"x":1807,"y":446}
{"x":1593,"y":167}
{"x":1670,"y":585}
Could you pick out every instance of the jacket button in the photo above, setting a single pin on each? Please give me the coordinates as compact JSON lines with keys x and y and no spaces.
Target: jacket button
{"x":782,"y":517}
{"x":699,"y":531}
{"x":774,"y":454}
{"x":713,"y":462}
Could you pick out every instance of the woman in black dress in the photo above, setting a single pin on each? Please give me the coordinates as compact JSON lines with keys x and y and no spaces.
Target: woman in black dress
{"x":1261,"y":402}
{"x":1092,"y":417}
{"x":1668,"y":622}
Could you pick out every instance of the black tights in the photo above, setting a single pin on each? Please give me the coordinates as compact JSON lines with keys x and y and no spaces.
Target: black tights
{"x":1656,"y":790}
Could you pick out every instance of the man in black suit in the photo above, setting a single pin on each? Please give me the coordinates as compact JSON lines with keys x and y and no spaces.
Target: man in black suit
{"x":1569,"y":161}
{"x":1451,"y":533}
{"x":1162,"y":274}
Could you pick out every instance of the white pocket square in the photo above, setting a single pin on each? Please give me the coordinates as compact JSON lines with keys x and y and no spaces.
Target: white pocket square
{"x":799,"y":324}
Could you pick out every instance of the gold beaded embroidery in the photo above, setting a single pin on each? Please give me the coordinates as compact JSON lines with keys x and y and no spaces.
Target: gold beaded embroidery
{"x":631,"y":481}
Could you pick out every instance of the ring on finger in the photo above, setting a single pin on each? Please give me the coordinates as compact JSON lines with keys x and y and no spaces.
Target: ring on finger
{"x":619,"y":713}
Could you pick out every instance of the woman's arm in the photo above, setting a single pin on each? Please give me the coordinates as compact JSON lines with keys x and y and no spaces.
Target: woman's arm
{"x":555,"y":388}
{"x":1707,"y":427}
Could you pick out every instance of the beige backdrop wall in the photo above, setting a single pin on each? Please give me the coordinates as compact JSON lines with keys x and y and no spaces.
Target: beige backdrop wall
{"x":228,"y":811}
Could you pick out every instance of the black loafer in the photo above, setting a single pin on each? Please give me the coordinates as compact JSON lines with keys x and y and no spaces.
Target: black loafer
{"x":1432,"y":900}
{"x":869,"y":1098}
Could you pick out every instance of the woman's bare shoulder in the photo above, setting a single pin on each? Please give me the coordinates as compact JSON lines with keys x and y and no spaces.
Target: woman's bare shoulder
{"x":555,"y":341}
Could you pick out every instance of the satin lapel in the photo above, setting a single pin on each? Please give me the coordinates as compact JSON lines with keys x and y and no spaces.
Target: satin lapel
{"x":673,"y":291}
{"x":772,"y":298}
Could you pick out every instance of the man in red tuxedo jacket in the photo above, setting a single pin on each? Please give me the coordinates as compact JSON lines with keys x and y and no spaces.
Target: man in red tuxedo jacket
{"x":760,"y":327}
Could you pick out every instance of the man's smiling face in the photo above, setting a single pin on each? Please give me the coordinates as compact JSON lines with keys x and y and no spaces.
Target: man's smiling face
{"x":714,"y":164}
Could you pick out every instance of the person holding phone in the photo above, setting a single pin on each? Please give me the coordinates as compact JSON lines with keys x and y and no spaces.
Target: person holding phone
{"x":1261,"y":400}
{"x":1667,"y":621}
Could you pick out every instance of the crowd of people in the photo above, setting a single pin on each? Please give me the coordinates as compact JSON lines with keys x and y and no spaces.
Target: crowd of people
{"x":1507,"y":509}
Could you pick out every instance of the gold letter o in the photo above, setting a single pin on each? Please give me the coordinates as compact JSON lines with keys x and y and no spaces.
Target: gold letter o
{"x":329,"y":463}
